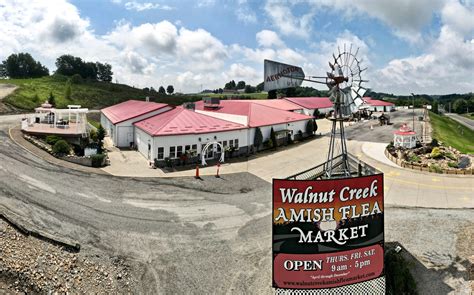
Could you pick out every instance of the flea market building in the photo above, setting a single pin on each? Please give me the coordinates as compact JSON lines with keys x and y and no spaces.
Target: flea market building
{"x":160,"y":131}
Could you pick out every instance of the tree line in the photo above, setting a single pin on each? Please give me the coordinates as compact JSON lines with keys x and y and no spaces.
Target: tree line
{"x":161,"y":90}
{"x":23,"y":65}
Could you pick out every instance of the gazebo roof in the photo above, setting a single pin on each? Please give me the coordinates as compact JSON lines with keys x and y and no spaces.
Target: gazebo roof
{"x":404,"y":131}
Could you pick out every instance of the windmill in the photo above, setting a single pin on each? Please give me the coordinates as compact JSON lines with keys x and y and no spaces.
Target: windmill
{"x":344,"y":81}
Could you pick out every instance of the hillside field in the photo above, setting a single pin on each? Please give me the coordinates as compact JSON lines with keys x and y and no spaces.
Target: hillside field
{"x":94,"y":95}
{"x":451,"y":133}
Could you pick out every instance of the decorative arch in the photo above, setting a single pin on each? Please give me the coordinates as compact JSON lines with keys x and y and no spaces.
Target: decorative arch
{"x":206,"y":147}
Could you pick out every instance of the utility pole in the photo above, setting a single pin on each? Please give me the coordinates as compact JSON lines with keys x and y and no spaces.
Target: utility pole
{"x":413,"y":99}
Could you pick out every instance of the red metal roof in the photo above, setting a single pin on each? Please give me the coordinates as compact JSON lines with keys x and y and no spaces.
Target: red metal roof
{"x":404,"y":130}
{"x":180,"y":121}
{"x":280,"y":104}
{"x":130,"y":109}
{"x":257,"y":114}
{"x":376,"y":102}
{"x":311,"y":102}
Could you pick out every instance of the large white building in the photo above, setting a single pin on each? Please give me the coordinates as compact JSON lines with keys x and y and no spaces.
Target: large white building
{"x":118,"y":119}
{"x":161,"y":132}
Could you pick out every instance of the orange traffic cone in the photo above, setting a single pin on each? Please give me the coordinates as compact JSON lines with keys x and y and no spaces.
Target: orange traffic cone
{"x":197,"y":172}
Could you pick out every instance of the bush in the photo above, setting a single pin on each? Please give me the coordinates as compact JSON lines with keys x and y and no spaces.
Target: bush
{"x":413,"y":158}
{"x":52,"y":139}
{"x":450,"y":156}
{"x":76,"y":79}
{"x":61,"y":147}
{"x":436,"y":168}
{"x":97,"y":160}
{"x":436,"y":153}
{"x":434,"y":142}
{"x":453,"y":164}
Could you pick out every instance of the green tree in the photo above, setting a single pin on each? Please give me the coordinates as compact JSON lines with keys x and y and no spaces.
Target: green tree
{"x":52,"y":99}
{"x":23,"y":65}
{"x":100,"y":139}
{"x":316,"y":113}
{"x":162,"y":90}
{"x":104,"y":72}
{"x":258,"y":138}
{"x":240,"y":85}
{"x":230,"y":85}
{"x":315,"y":124}
{"x":460,"y":106}
{"x":249,"y":89}
{"x":61,"y":147}
{"x":273,"y":138}
{"x":259,"y":87}
{"x":170,"y":89}
{"x":3,"y":70}
{"x":434,"y":107}
{"x":272,"y":94}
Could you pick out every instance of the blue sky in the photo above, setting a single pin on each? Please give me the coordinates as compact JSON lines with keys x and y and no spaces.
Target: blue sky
{"x":424,"y":46}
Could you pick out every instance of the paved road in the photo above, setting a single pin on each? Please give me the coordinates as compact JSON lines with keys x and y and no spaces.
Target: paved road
{"x":191,"y":236}
{"x":463,"y":120}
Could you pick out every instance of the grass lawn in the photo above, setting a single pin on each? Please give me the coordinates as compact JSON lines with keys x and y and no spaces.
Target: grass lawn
{"x":469,"y":115}
{"x":451,"y":133}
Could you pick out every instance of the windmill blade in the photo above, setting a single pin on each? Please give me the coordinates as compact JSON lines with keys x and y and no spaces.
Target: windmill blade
{"x":358,"y":101}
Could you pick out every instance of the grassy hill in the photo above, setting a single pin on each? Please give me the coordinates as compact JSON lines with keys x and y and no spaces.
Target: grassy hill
{"x":90,"y":94}
{"x":451,"y":133}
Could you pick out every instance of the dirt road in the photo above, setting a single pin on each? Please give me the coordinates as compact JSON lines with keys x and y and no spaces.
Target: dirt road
{"x":6,"y":89}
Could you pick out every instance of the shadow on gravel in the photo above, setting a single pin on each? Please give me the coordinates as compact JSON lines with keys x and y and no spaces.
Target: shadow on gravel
{"x":431,"y":280}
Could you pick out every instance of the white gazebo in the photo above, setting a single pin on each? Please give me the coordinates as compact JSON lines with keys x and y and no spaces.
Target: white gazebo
{"x":48,"y":120}
{"x":404,"y":137}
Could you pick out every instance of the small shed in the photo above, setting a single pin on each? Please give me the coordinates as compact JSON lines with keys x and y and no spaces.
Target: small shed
{"x":404,"y":137}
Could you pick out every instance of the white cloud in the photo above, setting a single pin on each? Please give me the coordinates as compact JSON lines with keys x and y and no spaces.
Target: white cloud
{"x":266,"y":38}
{"x":141,"y":6}
{"x":246,"y":15}
{"x":286,"y":22}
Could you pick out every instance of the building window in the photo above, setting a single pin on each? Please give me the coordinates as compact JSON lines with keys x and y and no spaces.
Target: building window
{"x":194,"y":147}
{"x":180,"y":151}
{"x":187,"y":148}
{"x":224,"y":143}
{"x":172,"y":152}
{"x":236,"y":143}
{"x":161,"y":153}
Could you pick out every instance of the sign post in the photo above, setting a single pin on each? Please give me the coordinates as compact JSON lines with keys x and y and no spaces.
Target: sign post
{"x":327,"y":233}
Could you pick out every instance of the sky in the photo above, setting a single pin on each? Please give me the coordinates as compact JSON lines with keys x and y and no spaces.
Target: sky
{"x":423,"y":46}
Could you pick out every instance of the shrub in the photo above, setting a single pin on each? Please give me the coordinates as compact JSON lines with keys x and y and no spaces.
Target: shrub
{"x":310,"y":127}
{"x":52,"y":139}
{"x":76,"y":79}
{"x":450,"y":156}
{"x":434,"y":142}
{"x":436,"y":153}
{"x":273,"y":138}
{"x":97,"y":160}
{"x":93,"y":135}
{"x":61,"y":147}
{"x":258,"y":138}
{"x":413,"y":158}
{"x":453,"y":164}
{"x":436,"y":168}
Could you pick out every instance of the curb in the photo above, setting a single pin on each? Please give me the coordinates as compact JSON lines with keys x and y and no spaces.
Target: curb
{"x":101,"y":172}
{"x":69,"y":244}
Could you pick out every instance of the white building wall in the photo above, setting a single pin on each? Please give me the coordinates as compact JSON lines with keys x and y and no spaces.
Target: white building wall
{"x":120,"y":131}
{"x":182,"y":140}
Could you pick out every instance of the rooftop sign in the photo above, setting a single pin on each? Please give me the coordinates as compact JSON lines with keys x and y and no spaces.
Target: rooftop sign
{"x":279,"y":75}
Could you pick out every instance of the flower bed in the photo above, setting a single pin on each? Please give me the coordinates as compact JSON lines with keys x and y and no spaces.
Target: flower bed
{"x":432,"y":157}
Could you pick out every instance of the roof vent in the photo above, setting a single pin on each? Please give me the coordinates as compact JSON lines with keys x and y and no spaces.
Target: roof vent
{"x":189,"y":106}
{"x":211,"y":102}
